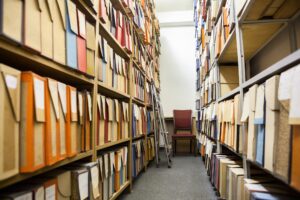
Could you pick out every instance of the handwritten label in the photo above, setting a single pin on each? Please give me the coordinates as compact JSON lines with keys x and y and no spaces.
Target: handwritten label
{"x":50,"y":193}
{"x":83,"y":185}
{"x":73,"y":102}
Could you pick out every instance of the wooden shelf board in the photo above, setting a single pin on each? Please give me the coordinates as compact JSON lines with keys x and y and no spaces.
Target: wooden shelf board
{"x":231,"y":150}
{"x":22,"y":177}
{"x":112,"y":41}
{"x":111,"y":92}
{"x":282,"y":65}
{"x":138,"y":137}
{"x":118,"y":193}
{"x":89,"y":12}
{"x":276,"y":177}
{"x":118,"y":5}
{"x":111,"y":144}
{"x":255,"y":9}
{"x":138,"y":101}
{"x":24,"y":60}
{"x":231,"y":94}
{"x":255,"y":36}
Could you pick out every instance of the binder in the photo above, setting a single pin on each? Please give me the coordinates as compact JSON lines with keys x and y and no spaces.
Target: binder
{"x":106,"y":176}
{"x":88,"y":121}
{"x":125,"y":124}
{"x":80,"y":183}
{"x":71,"y":34}
{"x":251,"y":127}
{"x":101,"y":174}
{"x":32,"y":128}
{"x":64,"y":185}
{"x":124,"y":155}
{"x":109,"y":116}
{"x":110,"y":66}
{"x":52,"y":143}
{"x":118,"y":163}
{"x":272,"y":120}
{"x":59,"y":35}
{"x":119,"y":26}
{"x":259,"y":121}
{"x":81,"y":42}
{"x":283,"y":139}
{"x":10,"y":88}
{"x":72,"y":119}
{"x":63,"y":121}
{"x":91,"y":48}
{"x":295,"y":164}
{"x":101,"y":120}
{"x":103,"y":14}
{"x":50,"y":188}
{"x":80,"y":124}
{"x":46,"y":28}
{"x":111,"y":175}
{"x":11,"y":23}
{"x":115,"y":120}
{"x":32,"y":25}
{"x":93,"y":170}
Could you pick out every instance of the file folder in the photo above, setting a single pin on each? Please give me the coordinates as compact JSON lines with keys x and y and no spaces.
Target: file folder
{"x":101,"y":174}
{"x":109,"y":116}
{"x":47,"y":28}
{"x":80,"y":183}
{"x":81,"y":42}
{"x":272,"y":120}
{"x":124,"y":164}
{"x":118,"y":163}
{"x":80,"y":124}
{"x":32,"y":25}
{"x":64,"y":185}
{"x":11,"y":23}
{"x":59,"y":35}
{"x":10,"y":89}
{"x":93,"y":170}
{"x":88,"y":121}
{"x":283,"y":139}
{"x":91,"y":48}
{"x":259,"y":121}
{"x":71,"y":34}
{"x":52,"y":122}
{"x":111,"y":175}
{"x":32,"y":130}
{"x":72,"y":119}
{"x":106,"y":176}
{"x":63,"y":121}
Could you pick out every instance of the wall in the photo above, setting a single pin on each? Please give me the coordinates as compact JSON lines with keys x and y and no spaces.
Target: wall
{"x":177,"y":61}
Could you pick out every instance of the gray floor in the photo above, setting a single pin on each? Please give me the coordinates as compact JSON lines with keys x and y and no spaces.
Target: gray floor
{"x":186,"y":180}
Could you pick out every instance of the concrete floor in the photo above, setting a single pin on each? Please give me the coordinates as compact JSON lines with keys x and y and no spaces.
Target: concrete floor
{"x":186,"y":180}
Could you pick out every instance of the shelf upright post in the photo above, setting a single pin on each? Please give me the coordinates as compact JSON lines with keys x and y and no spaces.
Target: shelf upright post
{"x":130,"y":108}
{"x":242,"y":69}
{"x":95,"y":93}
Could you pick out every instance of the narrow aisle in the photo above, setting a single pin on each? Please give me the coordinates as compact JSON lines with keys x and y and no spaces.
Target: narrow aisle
{"x":186,"y":180}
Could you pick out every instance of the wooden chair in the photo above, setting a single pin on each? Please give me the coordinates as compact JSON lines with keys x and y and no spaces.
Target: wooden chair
{"x":183,"y":129}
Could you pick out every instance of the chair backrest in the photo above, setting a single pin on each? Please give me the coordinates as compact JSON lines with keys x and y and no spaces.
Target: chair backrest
{"x":182,"y":120}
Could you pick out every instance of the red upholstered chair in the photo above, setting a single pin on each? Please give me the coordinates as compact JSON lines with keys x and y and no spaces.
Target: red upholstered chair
{"x":183,"y":128}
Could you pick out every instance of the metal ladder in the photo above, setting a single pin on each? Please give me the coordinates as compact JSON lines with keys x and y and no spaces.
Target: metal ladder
{"x":159,"y":123}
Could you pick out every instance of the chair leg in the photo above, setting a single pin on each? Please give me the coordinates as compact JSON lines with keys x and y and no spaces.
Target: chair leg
{"x":195,"y":147}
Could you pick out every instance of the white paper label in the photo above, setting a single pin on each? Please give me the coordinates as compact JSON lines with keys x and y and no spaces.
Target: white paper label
{"x":11,"y":81}
{"x":90,"y":106}
{"x":73,"y":102}
{"x":62,"y":94}
{"x":80,"y":105}
{"x":39,"y":92}
{"x":83,"y":185}
{"x":50,"y":193}
{"x":27,"y":196}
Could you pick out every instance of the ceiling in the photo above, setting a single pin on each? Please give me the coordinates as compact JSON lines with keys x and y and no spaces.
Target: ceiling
{"x":173,"y":5}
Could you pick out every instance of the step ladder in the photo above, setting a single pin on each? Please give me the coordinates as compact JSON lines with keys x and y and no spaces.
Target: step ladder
{"x":159,"y":123}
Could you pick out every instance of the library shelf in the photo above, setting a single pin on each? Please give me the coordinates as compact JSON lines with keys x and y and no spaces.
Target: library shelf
{"x":111,"y":92}
{"x":119,"y":192}
{"x":139,"y":137}
{"x":229,"y":95}
{"x":112,"y":144}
